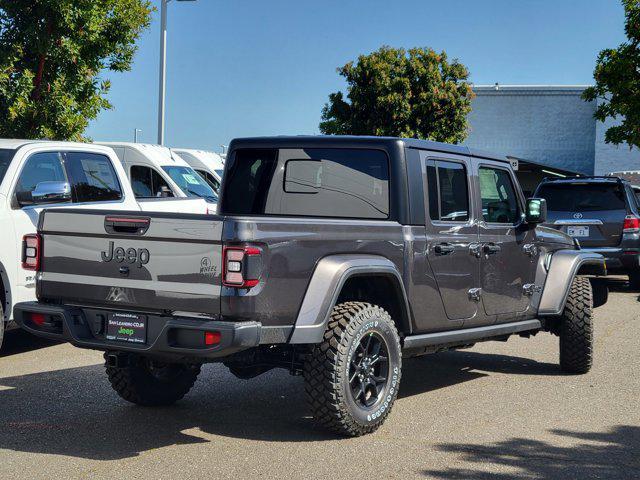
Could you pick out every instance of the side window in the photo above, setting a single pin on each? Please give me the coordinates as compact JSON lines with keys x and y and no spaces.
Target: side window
{"x":210,"y":179}
{"x":448,"y":191}
{"x":147,"y":183}
{"x":41,"y":167}
{"x":499,"y":199}
{"x":92,"y":176}
{"x":342,"y":183}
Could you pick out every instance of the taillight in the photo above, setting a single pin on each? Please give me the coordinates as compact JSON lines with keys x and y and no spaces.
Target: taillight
{"x":241,"y":266}
{"x":631,"y":224}
{"x":31,"y":249}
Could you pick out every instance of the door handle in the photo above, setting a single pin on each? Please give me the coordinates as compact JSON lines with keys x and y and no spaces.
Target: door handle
{"x":443,"y":249}
{"x":490,"y":248}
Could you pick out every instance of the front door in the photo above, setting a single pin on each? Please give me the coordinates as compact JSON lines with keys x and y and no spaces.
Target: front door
{"x":509,"y":253}
{"x":452,"y":235}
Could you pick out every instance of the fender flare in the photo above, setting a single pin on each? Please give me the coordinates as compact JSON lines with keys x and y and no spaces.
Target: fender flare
{"x":325,"y":286}
{"x":565,"y":265}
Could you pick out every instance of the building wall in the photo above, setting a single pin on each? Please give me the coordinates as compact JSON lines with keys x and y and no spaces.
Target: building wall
{"x":548,"y":125}
{"x":611,"y":158}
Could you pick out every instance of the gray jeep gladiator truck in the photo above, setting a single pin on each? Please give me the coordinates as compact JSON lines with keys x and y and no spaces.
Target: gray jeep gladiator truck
{"x":332,"y":257}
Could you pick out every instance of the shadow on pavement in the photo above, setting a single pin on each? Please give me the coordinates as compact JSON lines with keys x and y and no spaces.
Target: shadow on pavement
{"x":611,"y":455}
{"x":18,"y":341}
{"x":75,"y":412}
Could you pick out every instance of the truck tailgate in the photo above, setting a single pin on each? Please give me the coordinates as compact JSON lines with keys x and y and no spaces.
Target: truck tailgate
{"x":131,"y":260}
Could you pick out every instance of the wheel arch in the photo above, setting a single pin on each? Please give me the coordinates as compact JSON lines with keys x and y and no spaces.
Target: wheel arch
{"x":350,"y":277}
{"x":565,"y":265}
{"x":5,"y":292}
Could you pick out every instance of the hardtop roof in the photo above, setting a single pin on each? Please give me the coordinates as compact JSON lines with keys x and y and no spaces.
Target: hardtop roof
{"x":333,"y":141}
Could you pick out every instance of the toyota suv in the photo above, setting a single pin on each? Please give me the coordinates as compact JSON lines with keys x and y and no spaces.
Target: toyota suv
{"x":602,"y":215}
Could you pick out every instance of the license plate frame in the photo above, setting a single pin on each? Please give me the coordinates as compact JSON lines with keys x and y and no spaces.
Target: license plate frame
{"x":578,"y":231}
{"x":125,"y":327}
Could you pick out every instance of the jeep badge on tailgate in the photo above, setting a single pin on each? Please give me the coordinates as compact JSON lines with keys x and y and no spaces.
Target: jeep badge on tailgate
{"x":138,"y":256}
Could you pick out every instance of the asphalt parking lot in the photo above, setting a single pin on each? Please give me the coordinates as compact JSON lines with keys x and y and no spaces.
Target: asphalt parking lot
{"x":496,"y":411}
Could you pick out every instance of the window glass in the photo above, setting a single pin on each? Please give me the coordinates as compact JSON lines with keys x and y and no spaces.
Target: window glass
{"x":248,"y":181}
{"x":192,"y":184}
{"x":147,"y":183}
{"x":583,"y":197}
{"x":338,"y":183}
{"x":92,"y":176}
{"x":499,"y":199}
{"x":6,"y":155}
{"x":347,"y":183}
{"x":210,"y":179}
{"x":41,"y":167}
{"x":448,"y":192}
{"x":432,"y":191}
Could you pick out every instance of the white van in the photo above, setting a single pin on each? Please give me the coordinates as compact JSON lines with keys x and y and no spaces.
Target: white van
{"x":155,"y":171}
{"x":209,"y":165}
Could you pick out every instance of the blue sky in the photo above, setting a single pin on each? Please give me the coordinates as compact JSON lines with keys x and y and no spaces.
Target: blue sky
{"x":257,"y":67}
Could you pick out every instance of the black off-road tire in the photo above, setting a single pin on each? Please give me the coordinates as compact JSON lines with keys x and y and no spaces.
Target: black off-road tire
{"x":142,"y":383}
{"x":576,"y":329}
{"x":634,"y":280}
{"x":326,"y":370}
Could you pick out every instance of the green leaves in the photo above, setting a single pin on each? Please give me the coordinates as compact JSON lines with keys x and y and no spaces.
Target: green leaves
{"x":617,"y":88}
{"x":394,"y":92}
{"x":52,"y":53}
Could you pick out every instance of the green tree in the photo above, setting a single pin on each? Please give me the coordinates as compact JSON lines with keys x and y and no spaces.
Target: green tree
{"x":617,"y":88}
{"x":52,"y":53}
{"x":393,"y":92}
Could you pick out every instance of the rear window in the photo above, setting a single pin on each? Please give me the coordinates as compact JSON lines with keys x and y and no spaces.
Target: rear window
{"x":583,"y":197}
{"x":343,"y":183}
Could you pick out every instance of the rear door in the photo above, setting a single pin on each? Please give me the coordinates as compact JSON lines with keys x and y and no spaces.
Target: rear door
{"x":141,"y":262}
{"x":592,"y":212}
{"x":451,"y":235}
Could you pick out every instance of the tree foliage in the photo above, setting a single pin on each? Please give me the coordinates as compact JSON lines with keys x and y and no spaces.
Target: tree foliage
{"x":393,"y":92}
{"x":52,"y":53}
{"x":617,"y":88}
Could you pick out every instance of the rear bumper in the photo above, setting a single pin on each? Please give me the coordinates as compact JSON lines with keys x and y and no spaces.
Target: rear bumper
{"x":618,"y":259}
{"x":174,"y":337}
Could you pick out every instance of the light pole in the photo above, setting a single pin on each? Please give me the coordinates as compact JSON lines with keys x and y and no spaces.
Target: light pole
{"x":163,"y":67}
{"x":135,"y":134}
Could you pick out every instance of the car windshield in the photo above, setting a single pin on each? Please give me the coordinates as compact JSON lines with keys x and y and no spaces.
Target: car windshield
{"x":6,"y":155}
{"x":191,"y":183}
{"x":583,"y":197}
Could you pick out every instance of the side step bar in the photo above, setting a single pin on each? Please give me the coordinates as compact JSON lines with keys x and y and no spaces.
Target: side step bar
{"x":470,"y":335}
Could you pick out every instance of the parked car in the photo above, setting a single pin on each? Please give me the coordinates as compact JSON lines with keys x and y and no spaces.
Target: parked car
{"x":209,"y":165}
{"x":155,"y":171}
{"x":35,"y":175}
{"x":602,"y":214}
{"x":332,"y":257}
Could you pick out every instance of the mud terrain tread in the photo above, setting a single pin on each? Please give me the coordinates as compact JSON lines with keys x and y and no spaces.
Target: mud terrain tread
{"x":324,"y":370}
{"x":576,"y":328}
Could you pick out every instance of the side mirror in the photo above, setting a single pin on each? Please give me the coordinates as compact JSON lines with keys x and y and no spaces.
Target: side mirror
{"x":45,"y":192}
{"x":536,"y":210}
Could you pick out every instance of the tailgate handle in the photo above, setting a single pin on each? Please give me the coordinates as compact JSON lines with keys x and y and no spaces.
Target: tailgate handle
{"x":127,"y":225}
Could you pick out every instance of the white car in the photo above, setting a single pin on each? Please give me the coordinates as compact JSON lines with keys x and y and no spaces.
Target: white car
{"x":209,"y":165}
{"x":155,"y":171}
{"x":35,"y":175}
